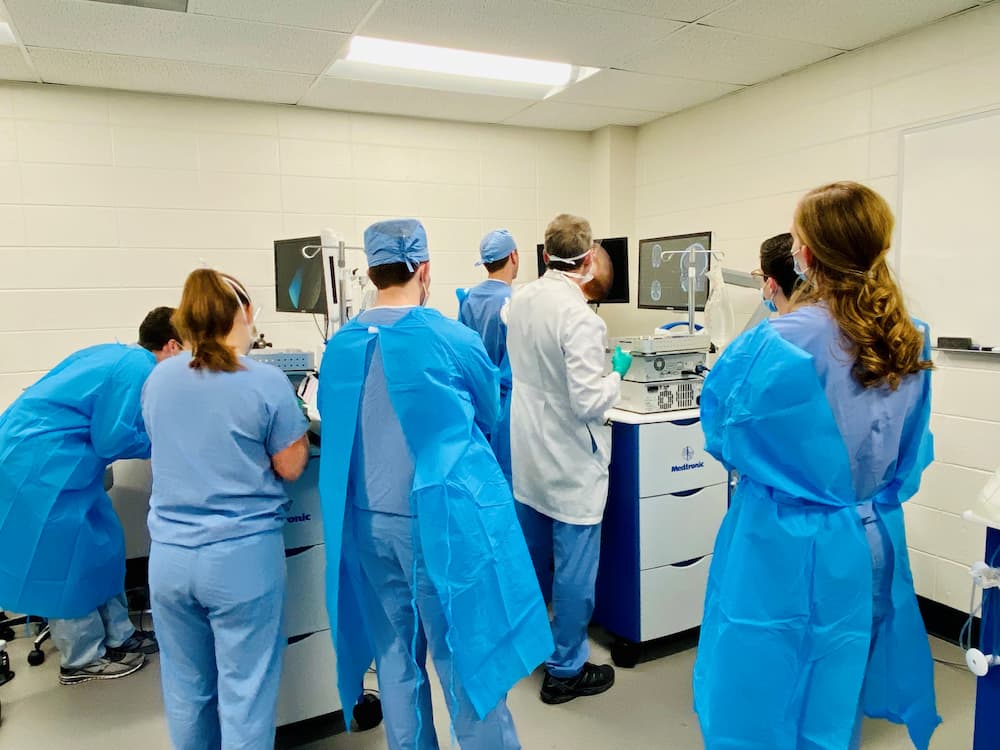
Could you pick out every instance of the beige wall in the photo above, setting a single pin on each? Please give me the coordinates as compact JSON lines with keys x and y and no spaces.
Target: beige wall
{"x":108,"y":200}
{"x":736,"y":167}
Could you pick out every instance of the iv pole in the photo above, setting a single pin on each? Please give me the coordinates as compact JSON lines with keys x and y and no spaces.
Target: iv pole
{"x":694,"y":249}
{"x":332,"y":243}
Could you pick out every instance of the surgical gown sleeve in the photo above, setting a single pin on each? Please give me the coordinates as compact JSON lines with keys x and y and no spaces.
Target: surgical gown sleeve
{"x":116,"y":427}
{"x":481,"y":376}
{"x":591,"y":392}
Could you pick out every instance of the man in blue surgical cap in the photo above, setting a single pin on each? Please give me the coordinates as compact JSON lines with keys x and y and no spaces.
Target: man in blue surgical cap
{"x":63,"y":548}
{"x":480,"y":311}
{"x":423,"y":543}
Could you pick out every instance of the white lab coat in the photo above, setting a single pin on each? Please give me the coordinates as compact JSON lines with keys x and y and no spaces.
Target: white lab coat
{"x":560,"y":443}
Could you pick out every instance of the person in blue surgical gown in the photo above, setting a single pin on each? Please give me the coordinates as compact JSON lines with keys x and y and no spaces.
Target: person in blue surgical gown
{"x":810,"y":616}
{"x":481,"y":311}
{"x":63,"y":550}
{"x":423,"y":544}
{"x":226,"y":430}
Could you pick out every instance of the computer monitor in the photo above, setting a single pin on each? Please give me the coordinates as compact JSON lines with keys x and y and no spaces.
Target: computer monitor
{"x":299,"y":281}
{"x":617,"y":249}
{"x":663,"y":279}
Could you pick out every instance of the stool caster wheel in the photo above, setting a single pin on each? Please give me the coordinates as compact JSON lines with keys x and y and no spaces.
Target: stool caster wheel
{"x":36,"y":657}
{"x":368,"y":713}
{"x":625,"y":654}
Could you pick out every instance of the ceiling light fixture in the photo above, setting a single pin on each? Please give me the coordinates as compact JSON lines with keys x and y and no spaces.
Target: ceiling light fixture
{"x":422,"y":57}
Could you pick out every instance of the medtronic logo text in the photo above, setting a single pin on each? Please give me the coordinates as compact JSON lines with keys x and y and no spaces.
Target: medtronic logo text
{"x":299,"y":518}
{"x":687,"y":454}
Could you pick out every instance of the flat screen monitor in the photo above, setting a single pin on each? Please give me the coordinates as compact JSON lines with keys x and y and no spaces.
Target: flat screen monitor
{"x":663,"y":279}
{"x":617,"y":249}
{"x":298,"y":281}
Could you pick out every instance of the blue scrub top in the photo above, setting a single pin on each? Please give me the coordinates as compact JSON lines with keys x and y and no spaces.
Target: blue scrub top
{"x":480,"y":311}
{"x":381,"y":474}
{"x":872,"y":421}
{"x":213,"y":435}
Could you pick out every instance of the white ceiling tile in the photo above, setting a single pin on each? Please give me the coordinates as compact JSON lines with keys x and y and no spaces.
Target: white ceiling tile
{"x":846,"y":24}
{"x":620,"y":88}
{"x":567,"y":116}
{"x":678,"y":10}
{"x":167,"y":76}
{"x":716,"y":55}
{"x":342,"y":15}
{"x":13,"y":66}
{"x":140,"y":32}
{"x":357,"y":96}
{"x":556,"y":31}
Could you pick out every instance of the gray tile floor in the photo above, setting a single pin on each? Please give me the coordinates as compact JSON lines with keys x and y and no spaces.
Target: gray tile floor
{"x":649,"y":707}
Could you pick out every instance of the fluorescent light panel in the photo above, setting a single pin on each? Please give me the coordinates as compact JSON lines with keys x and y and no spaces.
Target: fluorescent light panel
{"x":6,"y":35}
{"x":422,"y":57}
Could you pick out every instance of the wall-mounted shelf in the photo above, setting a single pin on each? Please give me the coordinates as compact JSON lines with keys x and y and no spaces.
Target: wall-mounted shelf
{"x":994,"y":353}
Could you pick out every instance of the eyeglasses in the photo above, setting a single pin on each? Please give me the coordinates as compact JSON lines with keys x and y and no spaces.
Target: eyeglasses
{"x":760,"y":276}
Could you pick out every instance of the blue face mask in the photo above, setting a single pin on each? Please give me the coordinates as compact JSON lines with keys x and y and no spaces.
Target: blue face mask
{"x":800,"y":270}
{"x":768,"y":303}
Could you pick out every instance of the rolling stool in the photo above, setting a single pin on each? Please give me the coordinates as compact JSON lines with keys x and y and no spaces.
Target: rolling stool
{"x":7,"y":624}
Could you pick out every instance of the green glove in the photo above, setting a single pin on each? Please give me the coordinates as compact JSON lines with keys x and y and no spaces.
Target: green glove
{"x":621,"y":361}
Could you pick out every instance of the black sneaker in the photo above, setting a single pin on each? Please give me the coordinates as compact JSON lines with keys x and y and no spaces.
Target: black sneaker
{"x":592,"y":680}
{"x":140,"y":642}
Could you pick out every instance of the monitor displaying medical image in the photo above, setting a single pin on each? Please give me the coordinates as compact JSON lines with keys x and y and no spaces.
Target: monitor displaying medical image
{"x":617,"y":250}
{"x":298,"y":280}
{"x":664,"y":264}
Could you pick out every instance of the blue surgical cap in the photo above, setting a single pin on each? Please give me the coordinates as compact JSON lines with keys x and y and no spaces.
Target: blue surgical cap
{"x":396,"y":241}
{"x":497,"y":245}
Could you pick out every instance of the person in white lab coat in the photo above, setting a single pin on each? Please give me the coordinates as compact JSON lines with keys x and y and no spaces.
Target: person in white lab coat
{"x":561,"y":446}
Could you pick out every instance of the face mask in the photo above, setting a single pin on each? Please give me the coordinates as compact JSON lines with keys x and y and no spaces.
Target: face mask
{"x":801,"y":270}
{"x":251,"y":328}
{"x":583,"y":278}
{"x":425,"y":295}
{"x":768,"y":302}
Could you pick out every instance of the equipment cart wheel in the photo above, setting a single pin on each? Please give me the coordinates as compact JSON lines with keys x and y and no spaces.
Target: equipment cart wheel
{"x":625,"y":653}
{"x":368,"y":712}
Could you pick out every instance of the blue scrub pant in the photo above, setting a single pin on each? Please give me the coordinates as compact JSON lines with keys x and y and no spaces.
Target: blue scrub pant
{"x":219,"y":611}
{"x":566,"y":557}
{"x":882,"y":565}
{"x":83,"y":640}
{"x":397,"y":582}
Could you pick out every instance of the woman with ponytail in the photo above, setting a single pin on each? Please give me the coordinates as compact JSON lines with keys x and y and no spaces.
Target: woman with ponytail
{"x":811,"y":620}
{"x":225,"y":431}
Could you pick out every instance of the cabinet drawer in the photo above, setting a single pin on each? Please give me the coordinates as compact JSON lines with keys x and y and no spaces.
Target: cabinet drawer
{"x":305,"y":599}
{"x":672,"y":458}
{"x":672,"y":598}
{"x":303,"y":522}
{"x":308,"y":679}
{"x":675,"y":528}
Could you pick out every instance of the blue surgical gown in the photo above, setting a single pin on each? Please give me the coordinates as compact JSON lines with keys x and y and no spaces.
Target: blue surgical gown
{"x":480,"y":311}
{"x":788,"y":613}
{"x":444,"y":392}
{"x":62,"y":543}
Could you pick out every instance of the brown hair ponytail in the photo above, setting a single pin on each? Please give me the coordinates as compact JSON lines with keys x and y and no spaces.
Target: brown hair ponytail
{"x":205,"y":317}
{"x":847,"y":228}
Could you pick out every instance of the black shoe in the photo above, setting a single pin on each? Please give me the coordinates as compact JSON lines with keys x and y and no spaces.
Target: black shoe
{"x":591,"y":680}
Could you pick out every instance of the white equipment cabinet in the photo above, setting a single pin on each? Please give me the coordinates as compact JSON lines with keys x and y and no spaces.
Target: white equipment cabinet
{"x":666,"y":500}
{"x":309,"y":675}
